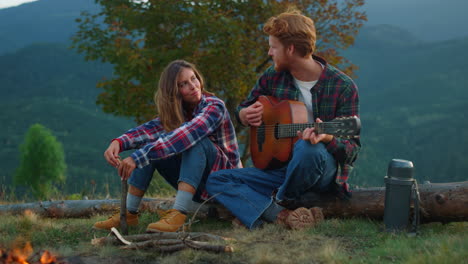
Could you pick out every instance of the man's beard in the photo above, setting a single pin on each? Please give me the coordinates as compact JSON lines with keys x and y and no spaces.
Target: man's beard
{"x":281,"y":67}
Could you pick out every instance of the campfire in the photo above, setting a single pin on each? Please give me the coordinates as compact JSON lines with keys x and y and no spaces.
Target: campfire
{"x":26,"y":255}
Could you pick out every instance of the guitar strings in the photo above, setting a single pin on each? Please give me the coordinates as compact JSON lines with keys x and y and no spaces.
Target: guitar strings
{"x":293,"y":126}
{"x":304,"y":124}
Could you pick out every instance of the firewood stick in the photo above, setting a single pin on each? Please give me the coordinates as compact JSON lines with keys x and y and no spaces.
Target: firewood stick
{"x":123,"y":208}
{"x":171,"y":245}
{"x":199,"y":236}
{"x":167,"y":245}
{"x":153,"y":244}
{"x":208,"y":247}
{"x":119,"y":236}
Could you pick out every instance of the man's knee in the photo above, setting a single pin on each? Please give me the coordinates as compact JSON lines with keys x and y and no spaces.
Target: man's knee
{"x":217,"y":177}
{"x":305,"y":151}
{"x":217,"y":180}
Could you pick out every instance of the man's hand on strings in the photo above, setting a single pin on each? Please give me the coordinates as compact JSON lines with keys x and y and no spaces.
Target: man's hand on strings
{"x":309,"y":134}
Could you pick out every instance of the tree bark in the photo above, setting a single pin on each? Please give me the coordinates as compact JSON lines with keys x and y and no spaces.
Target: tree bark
{"x":444,"y":202}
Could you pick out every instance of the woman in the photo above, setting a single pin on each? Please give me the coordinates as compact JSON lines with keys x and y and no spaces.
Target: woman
{"x":192,"y":137}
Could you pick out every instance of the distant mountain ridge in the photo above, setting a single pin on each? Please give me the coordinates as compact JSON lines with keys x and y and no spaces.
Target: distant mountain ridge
{"x":413,"y":96}
{"x":385,"y":36}
{"x":44,"y":21}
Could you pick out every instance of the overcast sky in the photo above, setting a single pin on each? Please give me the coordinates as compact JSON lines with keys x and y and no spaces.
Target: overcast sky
{"x":10,"y":3}
{"x":427,"y":19}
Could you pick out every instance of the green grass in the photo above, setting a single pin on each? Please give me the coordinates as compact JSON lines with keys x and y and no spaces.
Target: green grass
{"x":333,"y":241}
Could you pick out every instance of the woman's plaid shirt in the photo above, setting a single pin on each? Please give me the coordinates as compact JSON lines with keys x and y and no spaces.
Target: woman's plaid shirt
{"x":210,"y":119}
{"x":334,"y":95}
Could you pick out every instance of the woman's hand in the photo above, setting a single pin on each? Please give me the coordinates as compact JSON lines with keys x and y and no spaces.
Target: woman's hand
{"x":112,"y":154}
{"x":126,"y":168}
{"x":309,"y":135}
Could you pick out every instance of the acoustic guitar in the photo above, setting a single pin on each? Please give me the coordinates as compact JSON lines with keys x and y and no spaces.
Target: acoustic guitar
{"x":272,"y":142}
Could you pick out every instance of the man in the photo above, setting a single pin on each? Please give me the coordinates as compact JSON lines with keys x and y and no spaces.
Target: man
{"x":320,"y":162}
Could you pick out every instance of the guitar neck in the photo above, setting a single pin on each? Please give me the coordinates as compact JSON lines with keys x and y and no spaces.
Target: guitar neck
{"x":290,"y":130}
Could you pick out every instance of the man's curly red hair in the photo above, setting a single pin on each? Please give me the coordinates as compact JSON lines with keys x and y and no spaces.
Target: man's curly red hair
{"x":293,"y":28}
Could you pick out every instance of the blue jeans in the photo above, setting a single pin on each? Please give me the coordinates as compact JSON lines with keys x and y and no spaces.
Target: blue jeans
{"x":191,"y":166}
{"x":247,"y":192}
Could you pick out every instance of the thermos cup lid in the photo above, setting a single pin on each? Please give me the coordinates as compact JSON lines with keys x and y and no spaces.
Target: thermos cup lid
{"x":399,"y":168}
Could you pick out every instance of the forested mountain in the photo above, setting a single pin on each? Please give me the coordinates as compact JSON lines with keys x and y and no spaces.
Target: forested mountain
{"x":413,"y":98}
{"x":52,"y":85}
{"x":413,"y":104}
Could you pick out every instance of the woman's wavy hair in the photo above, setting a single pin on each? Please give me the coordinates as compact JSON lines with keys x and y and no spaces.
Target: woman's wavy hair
{"x":168,"y":99}
{"x":293,"y":28}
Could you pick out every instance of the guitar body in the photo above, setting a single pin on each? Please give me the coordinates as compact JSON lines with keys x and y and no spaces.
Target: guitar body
{"x":267,"y":149}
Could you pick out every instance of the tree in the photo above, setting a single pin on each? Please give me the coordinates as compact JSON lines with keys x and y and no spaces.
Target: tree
{"x":42,"y":162}
{"x":223,"y":38}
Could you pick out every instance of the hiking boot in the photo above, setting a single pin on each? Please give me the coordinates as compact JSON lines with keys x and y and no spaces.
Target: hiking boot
{"x":170,"y":222}
{"x":318,"y":214}
{"x":114,"y":221}
{"x":296,"y":219}
{"x":161,"y":213}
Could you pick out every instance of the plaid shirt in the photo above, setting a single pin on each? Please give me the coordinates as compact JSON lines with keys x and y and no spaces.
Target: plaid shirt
{"x":210,"y":119}
{"x":334,"y":95}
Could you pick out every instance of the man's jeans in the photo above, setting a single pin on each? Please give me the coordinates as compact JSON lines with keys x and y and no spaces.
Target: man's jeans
{"x":247,"y":192}
{"x":192,"y":166}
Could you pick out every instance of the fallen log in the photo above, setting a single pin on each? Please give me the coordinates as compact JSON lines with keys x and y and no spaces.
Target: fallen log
{"x":80,"y":208}
{"x":440,"y":202}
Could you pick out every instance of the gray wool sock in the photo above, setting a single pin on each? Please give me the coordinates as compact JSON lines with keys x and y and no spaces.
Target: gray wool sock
{"x":183,"y":202}
{"x":133,"y":203}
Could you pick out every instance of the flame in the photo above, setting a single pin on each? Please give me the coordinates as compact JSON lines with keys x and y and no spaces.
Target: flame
{"x":47,"y":258}
{"x":20,"y":255}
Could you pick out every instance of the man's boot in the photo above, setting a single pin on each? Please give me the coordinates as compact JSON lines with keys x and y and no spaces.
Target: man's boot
{"x":299,"y":218}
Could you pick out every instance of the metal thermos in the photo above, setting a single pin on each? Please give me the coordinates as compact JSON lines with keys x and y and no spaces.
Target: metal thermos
{"x":398,"y":189}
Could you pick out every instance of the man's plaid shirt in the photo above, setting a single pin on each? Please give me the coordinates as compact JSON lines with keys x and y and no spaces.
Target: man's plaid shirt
{"x":210,"y":119}
{"x":334,"y":95}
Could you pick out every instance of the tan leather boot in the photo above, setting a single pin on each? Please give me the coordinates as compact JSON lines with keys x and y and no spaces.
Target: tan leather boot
{"x":114,"y":221}
{"x":317,"y":212}
{"x":172,"y":221}
{"x":299,"y":218}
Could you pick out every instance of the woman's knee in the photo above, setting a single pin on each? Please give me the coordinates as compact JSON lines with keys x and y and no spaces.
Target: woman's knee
{"x":204,"y":146}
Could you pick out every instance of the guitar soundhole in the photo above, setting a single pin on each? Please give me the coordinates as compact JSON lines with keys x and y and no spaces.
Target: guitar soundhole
{"x":260,"y":137}
{"x":277,"y":131}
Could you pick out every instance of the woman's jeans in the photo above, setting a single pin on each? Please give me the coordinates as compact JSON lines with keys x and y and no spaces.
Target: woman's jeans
{"x":191,"y":166}
{"x":247,"y":192}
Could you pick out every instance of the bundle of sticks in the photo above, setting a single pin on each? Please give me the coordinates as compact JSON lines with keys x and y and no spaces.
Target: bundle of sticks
{"x":167,"y":242}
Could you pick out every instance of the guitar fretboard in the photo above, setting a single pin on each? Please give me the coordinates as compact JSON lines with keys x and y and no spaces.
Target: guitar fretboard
{"x":290,"y":130}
